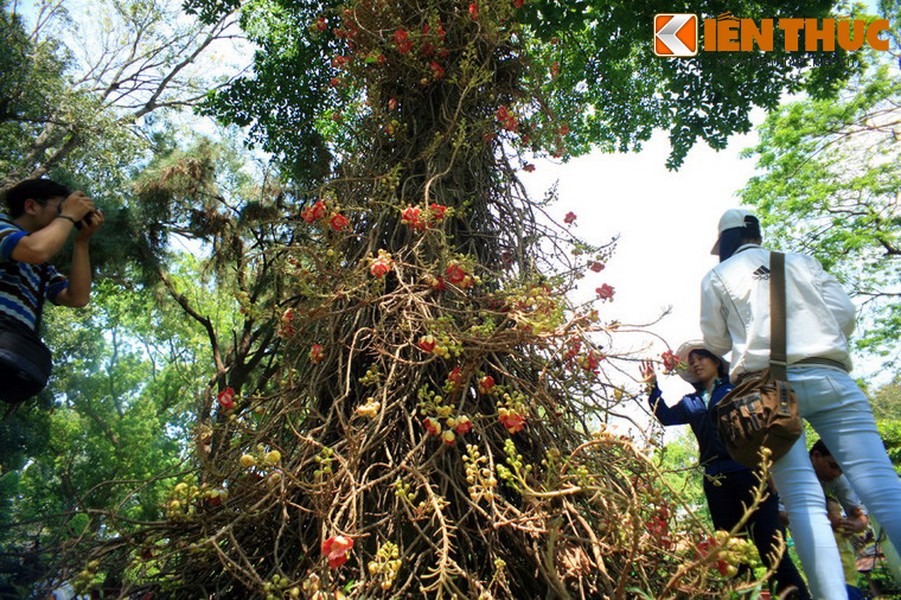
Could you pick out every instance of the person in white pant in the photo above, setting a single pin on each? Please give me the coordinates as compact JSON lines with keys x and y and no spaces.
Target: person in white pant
{"x":735,"y":316}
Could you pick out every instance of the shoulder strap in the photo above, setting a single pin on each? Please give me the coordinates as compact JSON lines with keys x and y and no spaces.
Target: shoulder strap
{"x":778,"y":357}
{"x":42,"y":290}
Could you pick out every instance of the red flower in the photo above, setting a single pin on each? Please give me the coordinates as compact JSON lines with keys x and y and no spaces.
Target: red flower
{"x":432,"y":426}
{"x":605,"y":292}
{"x":464,"y":425}
{"x":528,"y":168}
{"x":334,"y":82}
{"x":513,"y":421}
{"x":455,"y":273}
{"x":455,"y":376}
{"x":570,"y":218}
{"x":401,"y":42}
{"x":670,"y":360}
{"x":591,"y":360}
{"x":427,"y":343}
{"x":706,"y":547}
{"x":338,"y":221}
{"x":564,"y":130}
{"x":410,"y":216}
{"x":339,"y":62}
{"x":474,"y":11}
{"x":436,"y":283}
{"x":597,"y":267}
{"x":518,"y":3}
{"x":320,"y":24}
{"x":336,"y":549}
{"x":392,"y":103}
{"x":382,"y":265}
{"x":437,"y":70}
{"x":313,"y":213}
{"x":226,"y":399}
{"x":555,"y":69}
{"x":437,"y":211}
{"x":317,"y":355}
{"x":486,"y":384}
{"x":502,"y":113}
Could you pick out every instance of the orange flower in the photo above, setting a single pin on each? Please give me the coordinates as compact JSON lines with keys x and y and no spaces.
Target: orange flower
{"x":336,"y":549}
{"x":513,"y":421}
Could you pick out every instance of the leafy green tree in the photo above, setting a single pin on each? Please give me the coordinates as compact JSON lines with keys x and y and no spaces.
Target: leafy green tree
{"x":886,"y":402}
{"x":592,"y":59}
{"x":832,"y":176}
{"x":87,"y":108}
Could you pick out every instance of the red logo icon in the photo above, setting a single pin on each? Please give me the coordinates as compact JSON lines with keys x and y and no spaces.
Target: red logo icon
{"x":675,"y":34}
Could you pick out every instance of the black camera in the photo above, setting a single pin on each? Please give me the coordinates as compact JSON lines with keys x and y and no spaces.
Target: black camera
{"x":86,"y":220}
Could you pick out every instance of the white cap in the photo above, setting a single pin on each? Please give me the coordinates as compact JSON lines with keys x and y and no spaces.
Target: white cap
{"x":732,"y":218}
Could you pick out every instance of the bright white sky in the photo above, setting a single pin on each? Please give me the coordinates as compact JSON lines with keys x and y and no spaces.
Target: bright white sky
{"x":667,"y":223}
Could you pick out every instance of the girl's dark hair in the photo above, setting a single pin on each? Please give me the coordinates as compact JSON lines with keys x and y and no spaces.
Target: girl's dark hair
{"x":721,"y":372}
{"x":40,"y":190}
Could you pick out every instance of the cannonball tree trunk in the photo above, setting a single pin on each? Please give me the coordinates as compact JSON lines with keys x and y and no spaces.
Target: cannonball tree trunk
{"x":437,"y":425}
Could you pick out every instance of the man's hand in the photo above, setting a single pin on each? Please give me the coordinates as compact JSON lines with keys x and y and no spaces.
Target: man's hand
{"x":90,"y":226}
{"x":76,"y":206}
{"x":855,"y":523}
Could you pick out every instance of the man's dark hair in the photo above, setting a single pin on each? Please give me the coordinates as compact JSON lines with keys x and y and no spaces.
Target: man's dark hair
{"x":821,"y":448}
{"x":40,"y":190}
{"x":732,"y":239}
{"x":751,"y":231}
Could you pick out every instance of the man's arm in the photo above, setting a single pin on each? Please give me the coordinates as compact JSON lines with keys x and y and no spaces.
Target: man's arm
{"x":836,"y":299}
{"x":78,"y":293}
{"x":40,"y":246}
{"x":713,"y":324}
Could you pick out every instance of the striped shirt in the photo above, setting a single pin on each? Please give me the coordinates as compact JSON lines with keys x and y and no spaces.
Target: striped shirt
{"x":20,"y":282}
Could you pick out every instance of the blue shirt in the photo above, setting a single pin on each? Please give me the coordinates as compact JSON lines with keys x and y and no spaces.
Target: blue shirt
{"x":20,"y":282}
{"x":692,"y":410}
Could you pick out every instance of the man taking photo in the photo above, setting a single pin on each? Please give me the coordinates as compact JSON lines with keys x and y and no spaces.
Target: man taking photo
{"x":41,"y":214}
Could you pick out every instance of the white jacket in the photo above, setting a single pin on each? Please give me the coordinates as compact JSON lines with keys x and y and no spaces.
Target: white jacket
{"x":735,"y":311}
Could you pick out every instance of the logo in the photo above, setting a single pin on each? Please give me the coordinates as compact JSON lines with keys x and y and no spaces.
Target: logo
{"x":762,"y":272}
{"x":675,"y":34}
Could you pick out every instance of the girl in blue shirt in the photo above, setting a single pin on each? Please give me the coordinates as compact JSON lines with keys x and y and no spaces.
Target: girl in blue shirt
{"x":728,"y":485}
